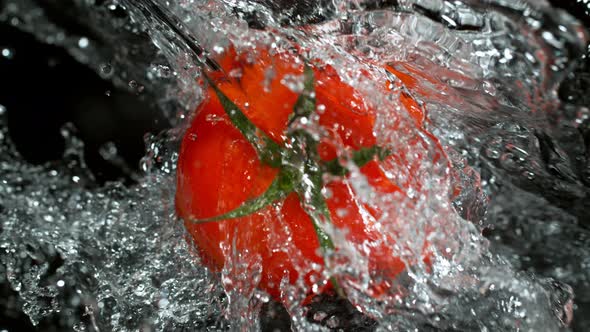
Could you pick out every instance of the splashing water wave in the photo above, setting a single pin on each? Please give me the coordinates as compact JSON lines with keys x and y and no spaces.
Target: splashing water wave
{"x":487,"y":74}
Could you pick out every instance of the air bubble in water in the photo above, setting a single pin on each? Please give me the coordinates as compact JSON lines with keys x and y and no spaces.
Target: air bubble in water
{"x":106,"y":69}
{"x":108,"y":151}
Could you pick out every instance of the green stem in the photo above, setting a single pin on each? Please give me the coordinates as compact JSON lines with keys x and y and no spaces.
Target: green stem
{"x":279,"y":189}
{"x":268,"y":150}
{"x":306,"y":103}
{"x":359,"y":157}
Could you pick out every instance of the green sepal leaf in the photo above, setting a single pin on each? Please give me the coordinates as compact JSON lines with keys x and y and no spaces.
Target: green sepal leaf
{"x":309,"y":188}
{"x":359,"y":157}
{"x":280,"y":188}
{"x":269,"y":152}
{"x":364,"y":155}
{"x":333,"y":167}
{"x":306,"y":102}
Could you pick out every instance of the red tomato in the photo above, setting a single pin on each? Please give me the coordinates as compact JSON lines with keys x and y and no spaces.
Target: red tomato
{"x":219,"y":170}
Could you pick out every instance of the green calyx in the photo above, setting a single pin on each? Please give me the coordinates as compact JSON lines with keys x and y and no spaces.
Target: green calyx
{"x":360,"y":158}
{"x":300,"y":168}
{"x":268,"y":150}
{"x":305,"y":104}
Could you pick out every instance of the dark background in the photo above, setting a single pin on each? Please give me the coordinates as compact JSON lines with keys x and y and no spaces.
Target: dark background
{"x":42,"y":87}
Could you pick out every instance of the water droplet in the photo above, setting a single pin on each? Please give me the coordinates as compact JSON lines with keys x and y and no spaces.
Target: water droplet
{"x":218,"y":49}
{"x":293,"y":82}
{"x":342,"y":212}
{"x":163,"y":303}
{"x":489,"y":88}
{"x":492,"y":153}
{"x":83,"y":42}
{"x":333,"y":322}
{"x":582,"y":115}
{"x":529,"y":175}
{"x":7,"y":53}
{"x":508,"y":161}
{"x":108,"y":151}
{"x":319,"y":316}
{"x":162,"y":71}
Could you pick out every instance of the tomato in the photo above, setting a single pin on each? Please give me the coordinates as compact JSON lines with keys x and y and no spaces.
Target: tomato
{"x":220,"y":169}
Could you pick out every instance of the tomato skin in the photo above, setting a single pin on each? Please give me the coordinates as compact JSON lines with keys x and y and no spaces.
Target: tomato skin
{"x":225,"y":167}
{"x":219,"y":170}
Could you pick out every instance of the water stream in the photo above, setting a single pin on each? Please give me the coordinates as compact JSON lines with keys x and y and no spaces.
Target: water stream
{"x":498,"y":81}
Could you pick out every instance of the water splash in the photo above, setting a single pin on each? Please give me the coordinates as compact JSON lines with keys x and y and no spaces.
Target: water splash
{"x":487,"y":72}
